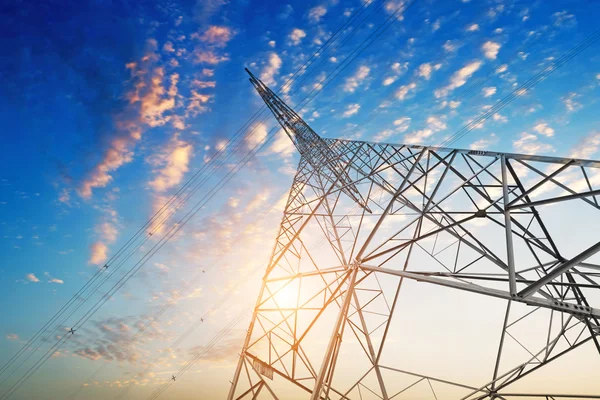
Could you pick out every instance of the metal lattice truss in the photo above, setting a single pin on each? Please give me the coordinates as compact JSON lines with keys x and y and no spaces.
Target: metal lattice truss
{"x":387,"y":251}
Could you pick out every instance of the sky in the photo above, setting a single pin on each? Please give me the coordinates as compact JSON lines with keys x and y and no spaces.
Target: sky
{"x":109,"y":107}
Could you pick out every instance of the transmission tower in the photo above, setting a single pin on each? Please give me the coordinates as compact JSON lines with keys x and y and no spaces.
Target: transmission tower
{"x":380,"y":241}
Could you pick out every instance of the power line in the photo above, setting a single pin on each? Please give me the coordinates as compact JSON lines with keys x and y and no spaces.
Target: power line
{"x":157,"y":214}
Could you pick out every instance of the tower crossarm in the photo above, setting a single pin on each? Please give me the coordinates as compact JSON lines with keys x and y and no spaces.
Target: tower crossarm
{"x":329,"y":162}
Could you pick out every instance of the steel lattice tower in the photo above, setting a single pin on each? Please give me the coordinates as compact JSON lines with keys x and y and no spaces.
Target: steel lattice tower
{"x":365,"y":222}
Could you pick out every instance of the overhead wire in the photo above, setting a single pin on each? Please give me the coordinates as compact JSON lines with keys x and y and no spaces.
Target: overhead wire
{"x":165,"y":206}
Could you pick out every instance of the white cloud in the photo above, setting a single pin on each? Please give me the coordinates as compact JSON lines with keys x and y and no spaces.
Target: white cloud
{"x":528,"y":143}
{"x":434,"y":125}
{"x":354,"y":81}
{"x":12,"y":336}
{"x":450,"y":46}
{"x":351,"y":110}
{"x":168,"y":47}
{"x":272,"y":43}
{"x":32,"y":278}
{"x":256,"y":135}
{"x":271,"y":69}
{"x":198,"y":103}
{"x":202,"y":56}
{"x":425,"y":70}
{"x":472,"y":28}
{"x":282,"y":145}
{"x":405,"y":90}
{"x":459,"y":78}
{"x":490,"y":49}
{"x":217,"y":35}
{"x":544,"y":129}
{"x":296,"y":36}
{"x":316,"y":13}
{"x":388,"y":81}
{"x":172,"y":161}
{"x":570,"y":103}
{"x":55,"y":280}
{"x":98,"y":253}
{"x":587,"y":147}
{"x":489,"y":91}
{"x":400,"y":68}
{"x":501,"y":69}
{"x":485,"y":143}
{"x":402,"y":124}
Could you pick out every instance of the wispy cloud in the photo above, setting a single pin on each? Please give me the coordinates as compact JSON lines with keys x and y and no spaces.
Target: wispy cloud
{"x":271,"y":69}
{"x":12,"y":337}
{"x":459,"y":78}
{"x":316,"y":13}
{"x":98,"y":253}
{"x":528,"y":143}
{"x":32,"y":278}
{"x":170,"y":163}
{"x":488,"y":91}
{"x":351,"y":109}
{"x":354,"y":81}
{"x":403,"y":92}
{"x":296,"y":36}
{"x":544,"y":129}
{"x":490,"y":49}
{"x":217,"y":36}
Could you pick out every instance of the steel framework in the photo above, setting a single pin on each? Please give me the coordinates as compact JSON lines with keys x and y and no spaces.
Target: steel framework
{"x":513,"y":239}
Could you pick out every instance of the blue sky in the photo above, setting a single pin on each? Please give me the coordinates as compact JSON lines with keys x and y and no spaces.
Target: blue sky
{"x":109,"y":106}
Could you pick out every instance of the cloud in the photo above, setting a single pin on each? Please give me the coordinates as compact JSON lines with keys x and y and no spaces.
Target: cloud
{"x":425,"y":70}
{"x":402,"y":124}
{"x":459,"y":78}
{"x":434,"y":124}
{"x":208,"y":72}
{"x":203,"y":84}
{"x":472,"y":28}
{"x":282,"y":145}
{"x":570,"y":103}
{"x":217,"y":35}
{"x":152,"y":101}
{"x":405,"y":90}
{"x":296,"y":36}
{"x":316,"y":13}
{"x":450,"y":46}
{"x":209,"y":57}
{"x":485,"y":143}
{"x":544,"y":129}
{"x":32,"y":278}
{"x":55,"y":280}
{"x":528,"y":143}
{"x":271,"y":69}
{"x":489,"y":91}
{"x":587,"y":147}
{"x":98,"y":253}
{"x":256,"y":135}
{"x":168,"y":47}
{"x":12,"y":336}
{"x":354,"y":81}
{"x":197,"y":103}
{"x":174,"y":161}
{"x":351,"y":110}
{"x":490,"y":49}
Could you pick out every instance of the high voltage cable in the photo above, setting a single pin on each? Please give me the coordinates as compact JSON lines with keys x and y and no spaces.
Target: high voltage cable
{"x":522,"y":89}
{"x":289,"y":80}
{"x":188,"y":286}
{"x":501,"y":104}
{"x":205,"y":349}
{"x":471,"y":88}
{"x":130,"y":274}
{"x":348,"y":60}
{"x":134,"y":238}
